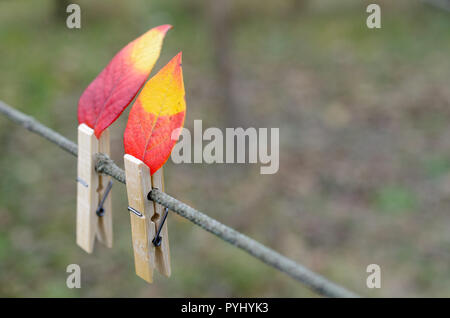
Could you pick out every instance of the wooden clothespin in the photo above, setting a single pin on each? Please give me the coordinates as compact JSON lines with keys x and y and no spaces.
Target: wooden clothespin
{"x":94,"y":211}
{"x":146,"y":220}
{"x":154,"y":124}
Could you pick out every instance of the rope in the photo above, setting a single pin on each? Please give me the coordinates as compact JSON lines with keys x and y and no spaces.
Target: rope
{"x":105,"y":165}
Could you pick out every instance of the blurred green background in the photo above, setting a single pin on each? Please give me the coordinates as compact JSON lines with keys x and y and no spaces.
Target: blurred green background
{"x":364,"y":145}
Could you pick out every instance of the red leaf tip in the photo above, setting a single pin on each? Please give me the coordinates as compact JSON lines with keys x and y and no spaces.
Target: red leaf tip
{"x":176,"y":62}
{"x":179,"y":56}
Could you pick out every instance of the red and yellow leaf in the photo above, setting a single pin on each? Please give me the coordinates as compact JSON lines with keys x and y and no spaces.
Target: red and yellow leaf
{"x":159,"y":109}
{"x":115,"y":87}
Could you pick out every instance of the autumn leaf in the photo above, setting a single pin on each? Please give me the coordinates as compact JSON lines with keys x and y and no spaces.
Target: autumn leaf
{"x":158,"y":111}
{"x":115,"y":87}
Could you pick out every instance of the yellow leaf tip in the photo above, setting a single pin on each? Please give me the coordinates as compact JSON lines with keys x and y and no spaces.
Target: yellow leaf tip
{"x":164,"y":28}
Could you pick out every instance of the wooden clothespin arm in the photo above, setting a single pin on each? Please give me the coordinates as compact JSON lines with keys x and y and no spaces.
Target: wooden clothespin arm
{"x":91,"y":188}
{"x":104,"y":226}
{"x":162,"y":252}
{"x":145,"y":222}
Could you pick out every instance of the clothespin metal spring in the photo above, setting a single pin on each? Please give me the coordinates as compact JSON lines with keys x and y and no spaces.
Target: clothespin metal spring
{"x":139,"y":214}
{"x":158,"y":238}
{"x":100,"y":211}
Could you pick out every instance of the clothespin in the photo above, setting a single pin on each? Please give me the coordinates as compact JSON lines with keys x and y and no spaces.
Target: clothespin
{"x":150,"y":240}
{"x":94,"y":212}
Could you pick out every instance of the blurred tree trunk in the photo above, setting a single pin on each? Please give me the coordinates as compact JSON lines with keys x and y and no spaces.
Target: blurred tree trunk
{"x":59,"y":10}
{"x":300,"y":6}
{"x":221,"y":26}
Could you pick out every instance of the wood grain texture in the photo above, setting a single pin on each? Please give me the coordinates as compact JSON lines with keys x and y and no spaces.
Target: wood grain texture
{"x":105,"y":224}
{"x":162,"y":253}
{"x":139,"y":184}
{"x":87,"y":184}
